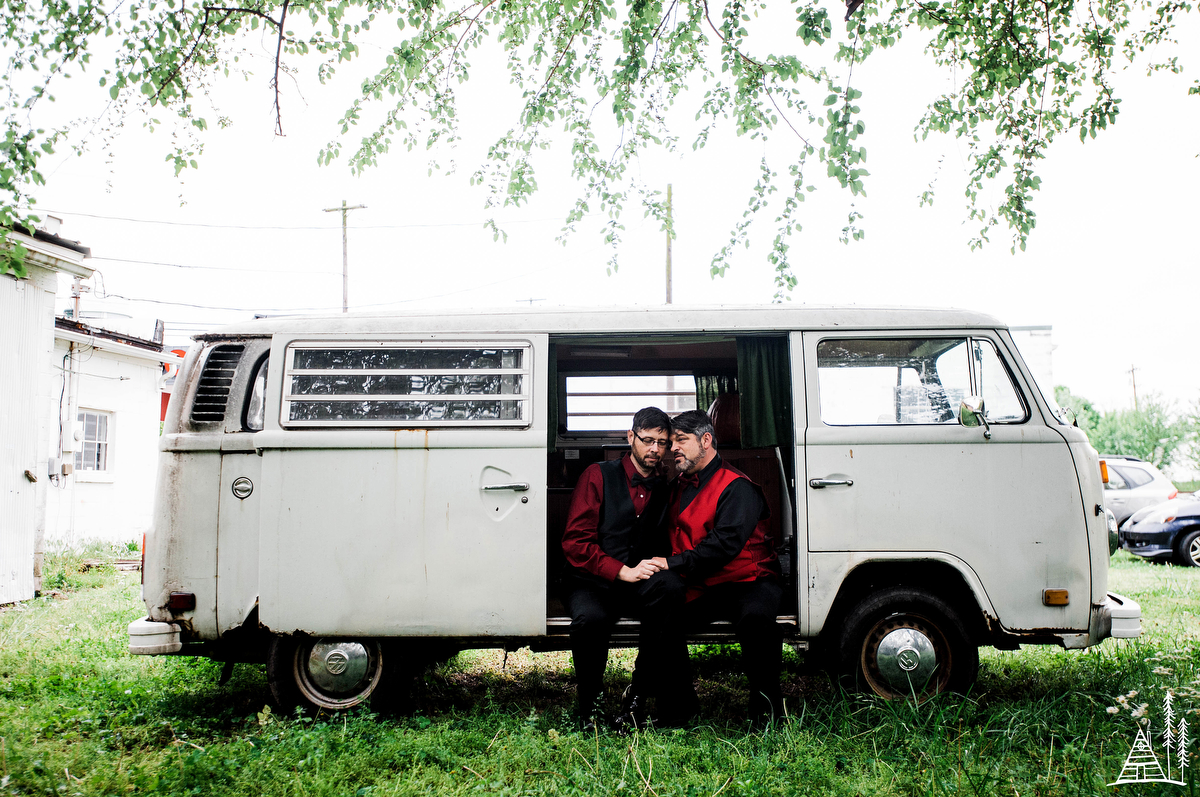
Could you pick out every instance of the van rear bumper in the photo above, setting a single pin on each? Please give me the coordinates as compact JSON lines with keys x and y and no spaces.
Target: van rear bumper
{"x":1116,"y":616}
{"x":150,"y":638}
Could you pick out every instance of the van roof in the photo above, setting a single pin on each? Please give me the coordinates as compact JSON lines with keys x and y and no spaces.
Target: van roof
{"x":588,"y":320}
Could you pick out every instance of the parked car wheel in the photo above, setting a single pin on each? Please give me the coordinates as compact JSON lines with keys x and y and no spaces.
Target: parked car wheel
{"x":1187,"y":550}
{"x":904,"y":642}
{"x":323,"y":673}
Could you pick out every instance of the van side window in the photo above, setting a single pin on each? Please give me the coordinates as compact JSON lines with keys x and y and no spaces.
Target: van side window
{"x":911,"y":381}
{"x":410,"y":385}
{"x":1002,"y":403}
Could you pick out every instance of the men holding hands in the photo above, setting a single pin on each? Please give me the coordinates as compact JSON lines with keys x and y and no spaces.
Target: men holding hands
{"x":677,"y":556}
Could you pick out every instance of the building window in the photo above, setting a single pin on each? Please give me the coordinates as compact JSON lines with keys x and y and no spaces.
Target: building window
{"x":93,"y":449}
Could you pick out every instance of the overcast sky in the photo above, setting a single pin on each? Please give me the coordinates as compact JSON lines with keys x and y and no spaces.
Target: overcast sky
{"x":1111,"y":265}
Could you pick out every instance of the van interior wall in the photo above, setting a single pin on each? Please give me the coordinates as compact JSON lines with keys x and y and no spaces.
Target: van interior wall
{"x":718,"y":363}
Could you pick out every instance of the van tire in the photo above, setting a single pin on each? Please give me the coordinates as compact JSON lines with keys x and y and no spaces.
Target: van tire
{"x":297,"y":679}
{"x":1187,"y":550}
{"x":936,"y":630}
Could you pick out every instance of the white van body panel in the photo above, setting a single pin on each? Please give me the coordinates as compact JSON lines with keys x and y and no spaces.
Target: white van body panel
{"x":1010,"y":502}
{"x":402,"y":529}
{"x":828,"y":569}
{"x":238,"y":525}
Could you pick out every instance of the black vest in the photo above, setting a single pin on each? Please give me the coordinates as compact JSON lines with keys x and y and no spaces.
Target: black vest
{"x":621,"y":532}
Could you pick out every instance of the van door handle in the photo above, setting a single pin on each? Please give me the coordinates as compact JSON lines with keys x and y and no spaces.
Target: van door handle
{"x":517,"y":487}
{"x":819,"y":484}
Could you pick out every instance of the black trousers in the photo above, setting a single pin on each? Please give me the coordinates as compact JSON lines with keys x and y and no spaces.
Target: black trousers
{"x":751,"y":606}
{"x":595,"y":609}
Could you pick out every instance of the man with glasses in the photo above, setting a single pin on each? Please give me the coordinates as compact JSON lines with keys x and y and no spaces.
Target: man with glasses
{"x":614,"y":529}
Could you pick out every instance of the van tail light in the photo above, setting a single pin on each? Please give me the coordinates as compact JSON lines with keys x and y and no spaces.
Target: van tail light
{"x":1174,"y":494}
{"x":181,"y":601}
{"x":143,"y":559}
{"x":1104,"y":471}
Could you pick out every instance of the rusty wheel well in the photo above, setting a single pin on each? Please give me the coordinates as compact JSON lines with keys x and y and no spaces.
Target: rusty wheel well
{"x":937,"y":578}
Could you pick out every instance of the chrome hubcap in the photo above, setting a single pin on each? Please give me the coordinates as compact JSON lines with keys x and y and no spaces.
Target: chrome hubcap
{"x":906,"y":659}
{"x":338,"y":673}
{"x":1194,"y":552}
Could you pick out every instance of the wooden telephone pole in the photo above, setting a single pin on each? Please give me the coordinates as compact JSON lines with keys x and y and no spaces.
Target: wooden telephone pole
{"x":668,"y":243}
{"x":345,"y":256}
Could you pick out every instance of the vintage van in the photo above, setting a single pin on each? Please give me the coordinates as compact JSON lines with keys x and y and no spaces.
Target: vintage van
{"x":344,"y":497}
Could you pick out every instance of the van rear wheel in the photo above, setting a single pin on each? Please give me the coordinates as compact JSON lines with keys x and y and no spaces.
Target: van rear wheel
{"x":905,"y":642}
{"x":323,"y":673}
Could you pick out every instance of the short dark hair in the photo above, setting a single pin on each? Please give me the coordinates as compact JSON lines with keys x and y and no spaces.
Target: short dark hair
{"x":694,"y":422}
{"x":651,"y":418}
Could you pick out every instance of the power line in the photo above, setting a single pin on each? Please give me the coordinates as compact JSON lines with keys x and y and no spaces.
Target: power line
{"x":209,"y":268}
{"x":327,"y":308}
{"x":293,"y":228}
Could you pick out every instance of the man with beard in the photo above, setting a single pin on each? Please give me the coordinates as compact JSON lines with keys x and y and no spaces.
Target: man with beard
{"x":721,"y":549}
{"x":614,"y":529}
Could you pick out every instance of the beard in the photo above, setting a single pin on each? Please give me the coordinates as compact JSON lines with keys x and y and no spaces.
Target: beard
{"x":648,"y":461}
{"x":685,"y":465}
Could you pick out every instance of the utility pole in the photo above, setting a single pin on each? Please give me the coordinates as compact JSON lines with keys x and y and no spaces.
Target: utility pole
{"x":668,"y":243}
{"x":1133,"y":376}
{"x":345,"y":257}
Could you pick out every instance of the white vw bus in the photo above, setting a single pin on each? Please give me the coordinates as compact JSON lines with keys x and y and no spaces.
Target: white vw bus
{"x":345,"y":497}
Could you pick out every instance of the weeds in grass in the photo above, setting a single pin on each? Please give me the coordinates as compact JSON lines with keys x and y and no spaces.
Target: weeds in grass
{"x":80,"y":716}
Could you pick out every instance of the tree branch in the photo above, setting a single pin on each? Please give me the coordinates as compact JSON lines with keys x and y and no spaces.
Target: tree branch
{"x":188,"y":59}
{"x":252,"y":11}
{"x":275,"y":80}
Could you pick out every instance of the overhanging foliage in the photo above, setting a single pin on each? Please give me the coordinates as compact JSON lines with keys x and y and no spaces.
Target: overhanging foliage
{"x":611,"y":76}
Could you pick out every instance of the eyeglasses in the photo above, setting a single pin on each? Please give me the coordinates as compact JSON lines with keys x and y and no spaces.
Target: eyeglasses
{"x":650,"y":442}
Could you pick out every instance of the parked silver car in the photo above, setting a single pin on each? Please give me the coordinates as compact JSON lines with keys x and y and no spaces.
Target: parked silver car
{"x":1133,"y":484}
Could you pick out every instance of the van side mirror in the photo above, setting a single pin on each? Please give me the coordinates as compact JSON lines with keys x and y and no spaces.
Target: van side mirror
{"x":971,"y":414}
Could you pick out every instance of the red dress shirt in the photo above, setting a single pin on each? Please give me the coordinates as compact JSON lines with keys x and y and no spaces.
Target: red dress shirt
{"x":580,"y":543}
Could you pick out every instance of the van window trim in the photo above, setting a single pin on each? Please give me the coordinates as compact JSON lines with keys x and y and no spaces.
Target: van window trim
{"x":972,"y":376}
{"x":526,"y":396}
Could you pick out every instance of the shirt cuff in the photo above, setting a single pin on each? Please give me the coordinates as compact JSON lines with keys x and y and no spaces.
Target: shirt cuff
{"x":676,"y":563}
{"x":609,"y":569}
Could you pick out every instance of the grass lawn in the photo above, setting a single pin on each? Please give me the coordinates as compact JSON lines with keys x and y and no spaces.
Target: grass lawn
{"x":79,"y":716}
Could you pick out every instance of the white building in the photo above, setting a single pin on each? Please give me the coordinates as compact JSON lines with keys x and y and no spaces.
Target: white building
{"x":26,"y":385}
{"x":108,"y":389}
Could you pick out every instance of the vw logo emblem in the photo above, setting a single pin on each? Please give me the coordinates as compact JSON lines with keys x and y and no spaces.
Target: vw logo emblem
{"x":337,"y":661}
{"x":908,"y":658}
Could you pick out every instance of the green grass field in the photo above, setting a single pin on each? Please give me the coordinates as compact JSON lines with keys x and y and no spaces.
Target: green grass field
{"x":78,"y":716}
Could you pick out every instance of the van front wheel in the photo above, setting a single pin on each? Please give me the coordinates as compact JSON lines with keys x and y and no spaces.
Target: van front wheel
{"x":323,"y":673}
{"x":905,"y":642}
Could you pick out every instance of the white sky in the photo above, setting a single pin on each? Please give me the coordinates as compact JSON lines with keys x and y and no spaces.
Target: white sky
{"x":1111,"y":265}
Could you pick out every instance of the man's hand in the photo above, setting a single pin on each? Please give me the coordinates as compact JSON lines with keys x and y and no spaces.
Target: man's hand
{"x":642,"y":570}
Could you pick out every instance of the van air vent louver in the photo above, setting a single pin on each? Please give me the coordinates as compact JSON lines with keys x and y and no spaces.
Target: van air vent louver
{"x":212,"y":394}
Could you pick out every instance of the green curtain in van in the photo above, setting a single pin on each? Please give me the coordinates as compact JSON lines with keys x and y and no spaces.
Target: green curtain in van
{"x":709,"y":386}
{"x":764,"y":385}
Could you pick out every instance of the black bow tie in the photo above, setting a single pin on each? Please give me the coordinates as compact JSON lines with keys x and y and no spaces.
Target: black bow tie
{"x":649,"y":481}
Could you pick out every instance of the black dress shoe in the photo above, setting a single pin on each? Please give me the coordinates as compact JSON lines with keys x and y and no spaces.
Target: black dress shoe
{"x":591,"y":714}
{"x":634,"y":713}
